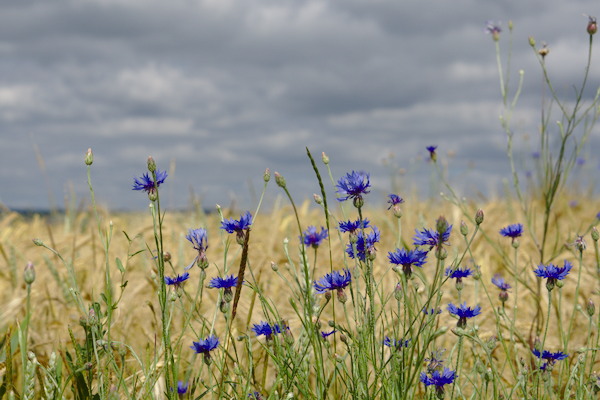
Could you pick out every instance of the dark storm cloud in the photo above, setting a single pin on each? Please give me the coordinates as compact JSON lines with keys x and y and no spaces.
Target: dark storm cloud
{"x":219,"y":90}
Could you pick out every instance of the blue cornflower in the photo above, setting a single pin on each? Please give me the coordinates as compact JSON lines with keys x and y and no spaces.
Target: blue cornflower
{"x":395,"y":343}
{"x":435,"y":360}
{"x":255,"y":396}
{"x":432,"y":153}
{"x":439,"y":379}
{"x":431,"y":311}
{"x":553,"y":273}
{"x":199,"y":239}
{"x":432,"y":238}
{"x":408,"y":259}
{"x":178,"y":280}
{"x":463,"y":312}
{"x":205,"y":346}
{"x":325,"y":335}
{"x":549,"y":356}
{"x":353,"y":226}
{"x":353,"y":186}
{"x":512,"y":231}
{"x":493,"y":29}
{"x":146,"y":183}
{"x":182,"y":387}
{"x":459,"y":274}
{"x":503,"y":286}
{"x":312,"y":238}
{"x":238,"y":226}
{"x":231,"y":225}
{"x":365,"y":246}
{"x":264,"y":328}
{"x":334,"y":281}
{"x":223,"y":283}
{"x":394,"y":200}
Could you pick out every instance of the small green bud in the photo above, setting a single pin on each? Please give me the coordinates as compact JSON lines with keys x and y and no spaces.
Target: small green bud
{"x":224,"y":307}
{"x":324,"y":158}
{"x":595,"y":234}
{"x":341,"y":295}
{"x":560,"y":284}
{"x":479,"y":217}
{"x":531,"y":41}
{"x":29,"y":274}
{"x":89,"y":157}
{"x":280,"y":180}
{"x":515,"y":243}
{"x":590,"y":308}
{"x":327,"y":296}
{"x":464,"y":229}
{"x":441,"y":225}
{"x":274,"y":266}
{"x":38,"y":242}
{"x":318,"y":199}
{"x":153,"y":196}
{"x":331,"y":323}
{"x":267,"y":175}
{"x":550,"y":284}
{"x":151,"y":164}
{"x":358,"y":202}
{"x":227,"y":295}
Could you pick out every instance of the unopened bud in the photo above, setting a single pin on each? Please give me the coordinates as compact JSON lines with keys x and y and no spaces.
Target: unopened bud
{"x":153,"y":195}
{"x":267,"y":175}
{"x":274,"y":266}
{"x":464,"y":229}
{"x":590,"y":308}
{"x":38,"y":242}
{"x":280,"y":180}
{"x":560,"y":284}
{"x":441,"y":225}
{"x":327,"y":296}
{"x":318,"y":199}
{"x":89,"y":157}
{"x":341,"y":295}
{"x":531,"y":41}
{"x":227,"y":295}
{"x":151,"y":164}
{"x":592,"y":26}
{"x":398,"y":291}
{"x":224,"y":307}
{"x":544,"y":51}
{"x":479,"y":217}
{"x":595,"y":234}
{"x":580,"y":244}
{"x":29,"y":274}
{"x":324,"y":158}
{"x":358,"y":202}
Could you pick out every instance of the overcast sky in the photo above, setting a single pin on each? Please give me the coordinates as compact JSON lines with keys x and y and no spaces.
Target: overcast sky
{"x":217,"y":91}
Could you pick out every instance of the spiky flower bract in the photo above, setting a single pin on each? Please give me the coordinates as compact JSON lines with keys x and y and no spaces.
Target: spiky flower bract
{"x":146,"y":183}
{"x":512,"y":231}
{"x":364,"y":245}
{"x":223,"y":283}
{"x":265,"y":329}
{"x":232,"y":225}
{"x":408,"y":259}
{"x":178,"y":280}
{"x":353,"y":226}
{"x":333,"y":281}
{"x":553,"y":273}
{"x":353,"y":186}
{"x":312,"y":238}
{"x":438,"y":379}
{"x":199,"y":239}
{"x":463,"y":313}
{"x":432,"y":238}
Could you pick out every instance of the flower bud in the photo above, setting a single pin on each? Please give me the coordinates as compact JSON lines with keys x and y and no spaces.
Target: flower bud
{"x":341,"y":295}
{"x":580,"y":244}
{"x":151,"y":164}
{"x":227,"y":295}
{"x":560,"y":284}
{"x":358,"y":202}
{"x":441,"y":225}
{"x":224,"y":307}
{"x":280,"y":180}
{"x":29,"y":274}
{"x":274,"y":266}
{"x":479,"y":217}
{"x":398,"y":291}
{"x":592,"y":26}
{"x":590,"y":308}
{"x":324,"y":158}
{"x":531,"y":41}
{"x":515,"y":243}
{"x":543,"y":52}
{"x":464,"y":229}
{"x":318,"y":199}
{"x":267,"y":175}
{"x":327,"y":296}
{"x":89,"y":157}
{"x":38,"y":242}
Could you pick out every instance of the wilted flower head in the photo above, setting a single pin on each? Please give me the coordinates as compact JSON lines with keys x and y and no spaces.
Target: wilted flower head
{"x":438,"y":379}
{"x":493,"y":29}
{"x":364,"y":245}
{"x":553,"y":273}
{"x":353,"y":226}
{"x":312,"y":238}
{"x":353,"y":186}
{"x":394,"y":200}
{"x":265,"y":329}
{"x":463,"y":312}
{"x":146,"y":183}
{"x":435,"y":361}
{"x":592,"y":26}
{"x":502,"y":285}
{"x":178,"y":280}
{"x":408,"y":259}
{"x":199,"y":239}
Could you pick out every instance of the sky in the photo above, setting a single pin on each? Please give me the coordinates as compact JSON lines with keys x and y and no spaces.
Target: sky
{"x":216,"y":91}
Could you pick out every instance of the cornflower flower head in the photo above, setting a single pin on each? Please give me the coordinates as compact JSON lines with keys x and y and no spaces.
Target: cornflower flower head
{"x":255,"y":396}
{"x":513,"y":231}
{"x":182,"y":387}
{"x":553,"y":273}
{"x":438,"y":379}
{"x":147,"y":184}
{"x":549,"y":356}
{"x":503,"y":286}
{"x":432,"y":153}
{"x":353,"y":226}
{"x":364,"y":245}
{"x":265,"y":329}
{"x":492,"y":28}
{"x":432,"y":238}
{"x":459,"y":274}
{"x":395,"y":202}
{"x":408,"y":259}
{"x":463,"y":312}
{"x":397,"y":344}
{"x":312,"y":238}
{"x":238,"y":226}
{"x":199,"y":239}
{"x":353,"y":186}
{"x":178,"y":280}
{"x":226,"y":284}
{"x":435,"y":361}
{"x":334,"y":281}
{"x":205,"y":346}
